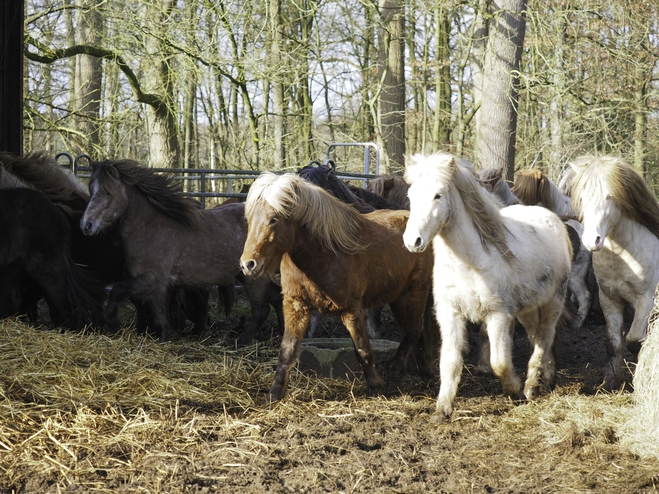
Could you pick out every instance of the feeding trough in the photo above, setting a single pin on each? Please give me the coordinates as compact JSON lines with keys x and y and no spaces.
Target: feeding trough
{"x":335,"y":357}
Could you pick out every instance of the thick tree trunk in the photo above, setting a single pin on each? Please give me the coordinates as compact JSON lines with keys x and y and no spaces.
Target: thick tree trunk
{"x":498,"y":119}
{"x":164,"y":149}
{"x":88,"y":78}
{"x":392,"y":73}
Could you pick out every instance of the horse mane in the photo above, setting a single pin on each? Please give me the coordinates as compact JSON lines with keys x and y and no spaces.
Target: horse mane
{"x":162,"y":191}
{"x":533,"y":187}
{"x":323,"y":177}
{"x":40,"y":171}
{"x":482,"y":209}
{"x":390,"y":187}
{"x":331,"y":221}
{"x":490,"y":179}
{"x":565,"y":182}
{"x":9,"y":181}
{"x":626,"y":186}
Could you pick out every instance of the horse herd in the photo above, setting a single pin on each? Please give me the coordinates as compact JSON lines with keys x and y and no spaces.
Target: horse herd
{"x":442,"y":239}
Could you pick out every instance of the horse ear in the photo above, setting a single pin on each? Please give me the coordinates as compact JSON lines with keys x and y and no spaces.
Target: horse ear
{"x":452,"y":165}
{"x":113,"y":172}
{"x":388,"y":183}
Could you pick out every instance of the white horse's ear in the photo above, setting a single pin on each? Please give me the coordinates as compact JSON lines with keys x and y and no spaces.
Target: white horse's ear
{"x":452,"y":165}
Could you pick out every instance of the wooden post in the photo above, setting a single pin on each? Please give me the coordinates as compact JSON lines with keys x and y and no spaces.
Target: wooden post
{"x":11,"y":76}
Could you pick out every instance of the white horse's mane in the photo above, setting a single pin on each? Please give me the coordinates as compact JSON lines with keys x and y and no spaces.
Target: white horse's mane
{"x":483,"y":210}
{"x":625,"y":185}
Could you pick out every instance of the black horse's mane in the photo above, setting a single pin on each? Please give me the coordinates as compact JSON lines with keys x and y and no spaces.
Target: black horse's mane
{"x":364,"y":201}
{"x":40,"y":171}
{"x":161,"y":190}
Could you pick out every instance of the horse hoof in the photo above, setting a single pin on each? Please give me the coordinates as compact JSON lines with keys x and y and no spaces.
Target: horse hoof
{"x":439,"y":418}
{"x":634,"y":346}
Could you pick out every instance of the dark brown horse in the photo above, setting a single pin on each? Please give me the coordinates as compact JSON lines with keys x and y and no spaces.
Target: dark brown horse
{"x":168,"y":240}
{"x":334,"y":260}
{"x":36,"y":261}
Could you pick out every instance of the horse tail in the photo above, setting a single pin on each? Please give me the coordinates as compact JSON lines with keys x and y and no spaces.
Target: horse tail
{"x":86,"y":295}
{"x":227,"y":297}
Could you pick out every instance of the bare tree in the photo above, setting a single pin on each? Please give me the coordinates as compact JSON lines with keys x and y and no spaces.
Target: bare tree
{"x":498,"y":120}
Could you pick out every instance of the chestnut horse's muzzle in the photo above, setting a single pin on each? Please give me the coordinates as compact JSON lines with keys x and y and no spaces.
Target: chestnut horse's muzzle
{"x":251,"y":268}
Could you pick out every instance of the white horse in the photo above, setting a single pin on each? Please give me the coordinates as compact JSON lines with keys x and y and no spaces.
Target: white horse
{"x":537,"y":189}
{"x":621,"y":226}
{"x":491,"y":265}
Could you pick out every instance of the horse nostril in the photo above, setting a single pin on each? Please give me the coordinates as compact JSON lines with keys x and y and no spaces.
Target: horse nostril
{"x":250,"y":265}
{"x":418,"y":242}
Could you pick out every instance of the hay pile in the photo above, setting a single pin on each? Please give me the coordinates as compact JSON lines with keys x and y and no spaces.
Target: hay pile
{"x":90,"y":413}
{"x":71,"y":404}
{"x":641,"y":433}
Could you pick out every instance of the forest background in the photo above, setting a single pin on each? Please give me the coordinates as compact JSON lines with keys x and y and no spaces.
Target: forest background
{"x":268,"y":84}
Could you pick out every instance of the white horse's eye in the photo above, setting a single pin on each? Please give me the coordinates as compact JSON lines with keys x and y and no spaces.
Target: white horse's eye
{"x":437,"y":197}
{"x":273,"y":220}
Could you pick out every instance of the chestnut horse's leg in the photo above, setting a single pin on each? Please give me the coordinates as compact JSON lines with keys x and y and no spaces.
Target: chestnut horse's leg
{"x":296,"y":320}
{"x":354,"y":323}
{"x":408,"y":312}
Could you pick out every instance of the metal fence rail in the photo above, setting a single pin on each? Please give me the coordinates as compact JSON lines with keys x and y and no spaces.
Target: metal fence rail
{"x":198,"y":181}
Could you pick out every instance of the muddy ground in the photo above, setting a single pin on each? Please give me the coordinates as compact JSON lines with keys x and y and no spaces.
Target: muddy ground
{"x":329,"y":436}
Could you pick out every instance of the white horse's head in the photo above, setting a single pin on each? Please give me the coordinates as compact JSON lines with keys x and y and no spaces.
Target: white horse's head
{"x":430,"y":202}
{"x":596,"y":205}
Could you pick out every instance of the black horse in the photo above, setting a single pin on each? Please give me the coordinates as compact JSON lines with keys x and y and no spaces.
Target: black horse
{"x":36,"y":260}
{"x":363,"y":200}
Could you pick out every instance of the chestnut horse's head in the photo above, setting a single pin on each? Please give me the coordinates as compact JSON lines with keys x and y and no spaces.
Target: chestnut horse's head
{"x":269,"y":231}
{"x":278,"y":205}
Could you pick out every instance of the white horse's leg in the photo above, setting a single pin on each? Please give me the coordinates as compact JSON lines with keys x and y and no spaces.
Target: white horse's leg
{"x":541,"y":327}
{"x":613,"y":313}
{"x":639,"y":328}
{"x":500,"y":329}
{"x":454,"y":340}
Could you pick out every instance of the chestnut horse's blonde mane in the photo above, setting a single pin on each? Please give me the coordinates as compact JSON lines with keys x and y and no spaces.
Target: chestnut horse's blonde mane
{"x":626,"y":187}
{"x":481,"y":208}
{"x":390,"y":187}
{"x":334,"y":223}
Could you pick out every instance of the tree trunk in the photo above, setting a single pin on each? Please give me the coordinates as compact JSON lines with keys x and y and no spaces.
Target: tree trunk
{"x":498,"y":120}
{"x":556,"y":105}
{"x":164,"y":150}
{"x":88,"y":78}
{"x":392,"y":74}
{"x":277,"y":85}
{"x":442,"y":121}
{"x":642,"y":76}
{"x":480,"y":36}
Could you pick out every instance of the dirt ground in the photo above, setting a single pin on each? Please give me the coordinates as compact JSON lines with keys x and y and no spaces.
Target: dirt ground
{"x":328,"y":436}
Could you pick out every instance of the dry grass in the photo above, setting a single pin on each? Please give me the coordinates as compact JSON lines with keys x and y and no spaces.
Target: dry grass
{"x":90,"y":413}
{"x":641,"y":433}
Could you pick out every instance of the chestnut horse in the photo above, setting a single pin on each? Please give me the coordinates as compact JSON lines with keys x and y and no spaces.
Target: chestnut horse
{"x":333,"y":259}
